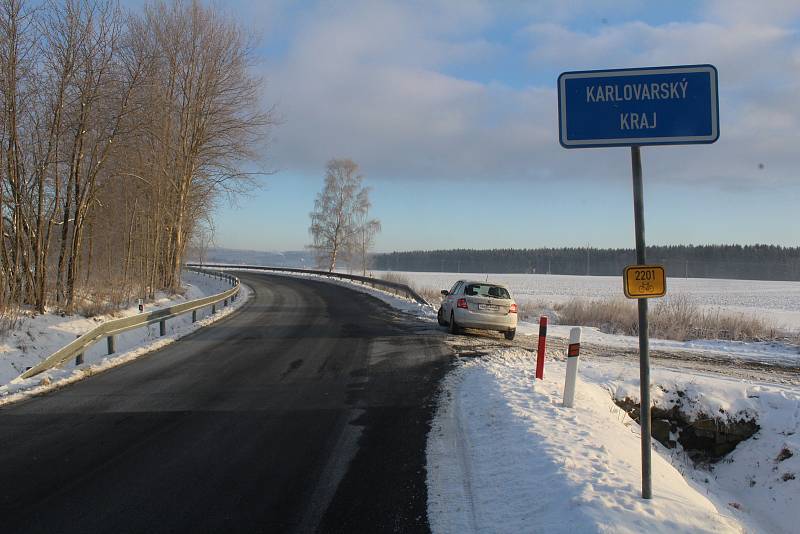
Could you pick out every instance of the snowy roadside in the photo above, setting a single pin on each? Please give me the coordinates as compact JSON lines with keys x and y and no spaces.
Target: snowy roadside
{"x":505,"y":456}
{"x":36,"y":338}
{"x":761,"y":476}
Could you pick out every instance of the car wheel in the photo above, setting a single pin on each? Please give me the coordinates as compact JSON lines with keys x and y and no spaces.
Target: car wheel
{"x":510,"y":334}
{"x":454,"y":329}
{"x":440,"y":317}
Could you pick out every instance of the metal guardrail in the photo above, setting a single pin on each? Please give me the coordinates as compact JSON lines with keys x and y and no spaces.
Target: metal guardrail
{"x":392,"y":287}
{"x":110,"y":329}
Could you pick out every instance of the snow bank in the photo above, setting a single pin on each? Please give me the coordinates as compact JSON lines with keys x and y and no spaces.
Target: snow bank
{"x":38,"y":337}
{"x":762,"y":475}
{"x":505,"y":457}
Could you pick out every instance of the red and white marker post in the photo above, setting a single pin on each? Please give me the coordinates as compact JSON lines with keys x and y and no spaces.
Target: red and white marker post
{"x":573,"y":351}
{"x":540,"y":349}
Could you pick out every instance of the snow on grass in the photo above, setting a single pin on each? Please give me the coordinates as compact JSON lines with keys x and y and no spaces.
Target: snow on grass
{"x":504,"y":456}
{"x":38,"y":337}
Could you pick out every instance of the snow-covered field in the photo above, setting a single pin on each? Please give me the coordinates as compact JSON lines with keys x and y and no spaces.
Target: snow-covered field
{"x":35,"y":338}
{"x":778,"y":302}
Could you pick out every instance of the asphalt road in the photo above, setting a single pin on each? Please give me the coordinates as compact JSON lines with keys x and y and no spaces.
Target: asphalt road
{"x":307,"y":410}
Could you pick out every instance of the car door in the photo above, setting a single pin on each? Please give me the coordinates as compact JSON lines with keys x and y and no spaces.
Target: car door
{"x":450,"y":300}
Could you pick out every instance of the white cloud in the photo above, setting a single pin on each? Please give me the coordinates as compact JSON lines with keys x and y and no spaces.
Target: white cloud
{"x":373,"y":81}
{"x":739,"y":52}
{"x":759,"y":84}
{"x":735,"y":12}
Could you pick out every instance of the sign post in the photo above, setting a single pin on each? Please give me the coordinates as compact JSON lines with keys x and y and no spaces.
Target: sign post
{"x":634,"y":108}
{"x":644,"y":341}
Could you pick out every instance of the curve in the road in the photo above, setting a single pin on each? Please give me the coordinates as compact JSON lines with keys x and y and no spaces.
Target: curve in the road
{"x":307,"y":410}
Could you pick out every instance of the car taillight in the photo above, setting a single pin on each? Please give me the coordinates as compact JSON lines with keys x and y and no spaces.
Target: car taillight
{"x":513,"y":309}
{"x":462,"y":303}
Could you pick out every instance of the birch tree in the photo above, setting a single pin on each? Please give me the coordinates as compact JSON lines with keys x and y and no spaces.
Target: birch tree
{"x":340,"y":220}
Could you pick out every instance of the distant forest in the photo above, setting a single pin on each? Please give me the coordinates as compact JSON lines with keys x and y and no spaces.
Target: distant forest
{"x":745,"y":262}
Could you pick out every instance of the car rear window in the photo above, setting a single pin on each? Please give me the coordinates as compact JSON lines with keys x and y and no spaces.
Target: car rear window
{"x":487,"y":290}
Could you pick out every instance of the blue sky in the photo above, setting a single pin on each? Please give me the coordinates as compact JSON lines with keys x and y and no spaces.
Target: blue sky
{"x":449,"y":107}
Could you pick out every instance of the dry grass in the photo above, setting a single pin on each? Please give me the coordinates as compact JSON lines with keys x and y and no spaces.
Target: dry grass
{"x":396,"y":278}
{"x":94,"y":305}
{"x":613,"y":316}
{"x":531,"y":309}
{"x":9,"y":319}
{"x":676,"y":317}
{"x":106,"y":299}
{"x":430,"y":294}
{"x":433,"y":296}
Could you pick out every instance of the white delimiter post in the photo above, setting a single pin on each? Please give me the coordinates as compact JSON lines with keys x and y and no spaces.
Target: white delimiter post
{"x":572,"y":366}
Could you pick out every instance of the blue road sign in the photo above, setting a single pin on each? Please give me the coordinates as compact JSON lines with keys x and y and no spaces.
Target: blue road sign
{"x":649,"y":106}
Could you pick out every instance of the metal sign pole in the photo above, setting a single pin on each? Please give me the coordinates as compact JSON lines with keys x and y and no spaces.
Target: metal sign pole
{"x":644,"y":352}
{"x":670,"y":105}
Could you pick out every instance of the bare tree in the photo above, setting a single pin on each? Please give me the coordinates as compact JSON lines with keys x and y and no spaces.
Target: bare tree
{"x":340,"y":218}
{"x":119,"y":133}
{"x":210,"y":116}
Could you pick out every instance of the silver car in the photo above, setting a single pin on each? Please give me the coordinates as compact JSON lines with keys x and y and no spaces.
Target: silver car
{"x":479,"y":305}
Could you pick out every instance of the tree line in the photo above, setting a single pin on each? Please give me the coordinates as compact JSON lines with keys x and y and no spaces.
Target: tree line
{"x":120,"y":130}
{"x":748,"y":262}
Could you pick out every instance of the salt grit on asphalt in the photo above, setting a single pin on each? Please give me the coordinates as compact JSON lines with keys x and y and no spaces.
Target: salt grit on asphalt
{"x":505,"y":456}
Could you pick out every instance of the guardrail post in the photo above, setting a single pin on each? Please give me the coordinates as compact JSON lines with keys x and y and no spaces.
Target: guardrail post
{"x":225,"y":303}
{"x":111,"y":344}
{"x":162,"y":327}
{"x":213,"y":309}
{"x":194,"y":316}
{"x":79,"y":357}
